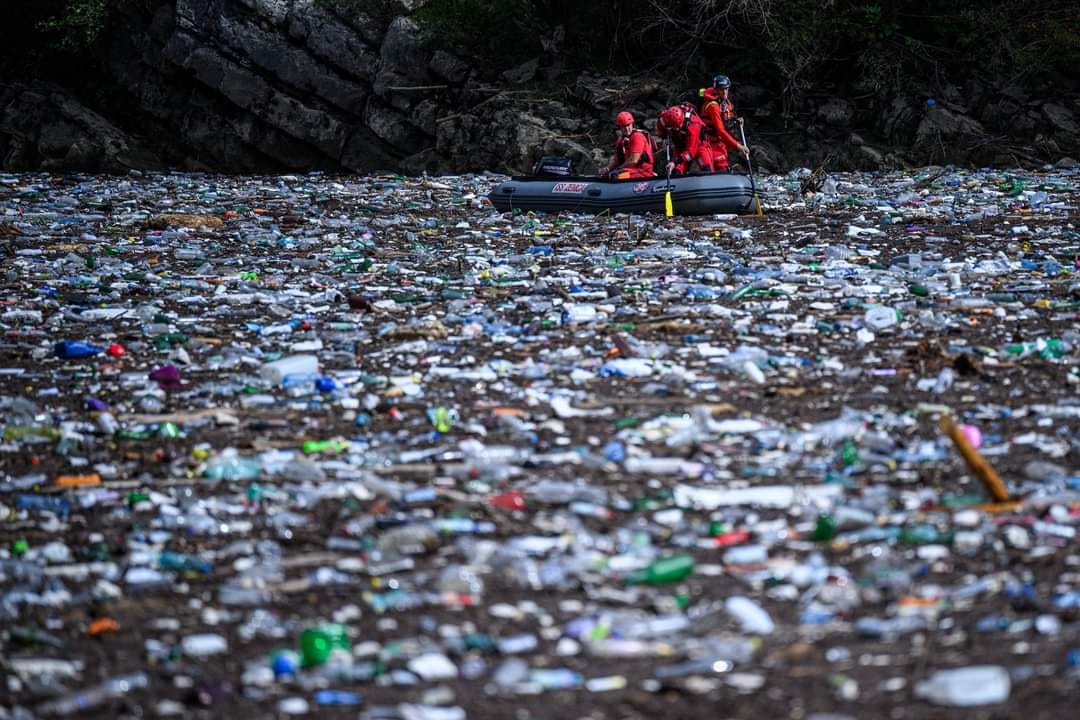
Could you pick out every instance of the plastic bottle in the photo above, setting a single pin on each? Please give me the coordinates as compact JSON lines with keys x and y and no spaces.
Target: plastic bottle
{"x":177,"y":561}
{"x":556,"y":678}
{"x":824,"y":528}
{"x":276,"y":371}
{"x":880,"y":317}
{"x":78,"y":702}
{"x":231,"y":466}
{"x":1050,"y":349}
{"x":944,"y":381}
{"x":701,"y":666}
{"x":243,"y":596}
{"x":311,"y":447}
{"x":60,"y":506}
{"x":668,"y":570}
{"x":561,"y":492}
{"x":107,"y":423}
{"x":578,"y":313}
{"x":73,"y":349}
{"x":752,"y":618}
{"x":966,"y":686}
{"x":462,"y":526}
{"x":658,"y":627}
{"x":318,"y":643}
{"x":416,"y":539}
{"x":338,"y":697}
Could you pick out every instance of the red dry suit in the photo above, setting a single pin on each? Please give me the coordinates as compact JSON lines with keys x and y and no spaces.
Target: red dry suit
{"x":686,"y":131}
{"x":717,"y":112}
{"x":638,"y":142}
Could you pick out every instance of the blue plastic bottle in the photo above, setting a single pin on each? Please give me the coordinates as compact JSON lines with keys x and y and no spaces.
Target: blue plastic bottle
{"x":75,"y":349}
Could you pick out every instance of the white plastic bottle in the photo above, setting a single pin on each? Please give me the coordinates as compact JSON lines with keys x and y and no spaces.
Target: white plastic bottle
{"x":752,"y":618}
{"x":966,"y":686}
{"x":880,"y":317}
{"x":276,"y":371}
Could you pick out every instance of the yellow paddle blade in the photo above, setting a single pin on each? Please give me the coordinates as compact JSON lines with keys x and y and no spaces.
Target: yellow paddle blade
{"x":757,"y":205}
{"x":668,"y":209}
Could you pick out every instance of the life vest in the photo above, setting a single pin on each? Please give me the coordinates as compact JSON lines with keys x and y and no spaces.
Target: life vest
{"x":624,"y":147}
{"x":727,"y":113}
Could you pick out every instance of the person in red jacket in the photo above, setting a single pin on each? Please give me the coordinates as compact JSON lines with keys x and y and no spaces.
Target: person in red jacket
{"x":718,"y":112}
{"x":633,"y":151}
{"x":682,"y":127}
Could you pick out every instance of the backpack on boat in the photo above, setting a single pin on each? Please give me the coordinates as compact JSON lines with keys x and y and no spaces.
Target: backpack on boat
{"x":553,"y":166}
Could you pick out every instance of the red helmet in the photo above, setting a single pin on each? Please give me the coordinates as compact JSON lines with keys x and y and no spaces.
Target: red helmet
{"x":624,"y":118}
{"x":672,"y":118}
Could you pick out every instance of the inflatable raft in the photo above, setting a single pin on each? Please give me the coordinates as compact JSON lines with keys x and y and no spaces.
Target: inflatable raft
{"x":690,"y":194}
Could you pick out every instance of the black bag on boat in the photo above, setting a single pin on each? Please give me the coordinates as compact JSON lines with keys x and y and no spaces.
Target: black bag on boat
{"x":553,"y":166}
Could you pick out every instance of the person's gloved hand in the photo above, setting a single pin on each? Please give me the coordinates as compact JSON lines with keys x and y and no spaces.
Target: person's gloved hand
{"x":670,"y":168}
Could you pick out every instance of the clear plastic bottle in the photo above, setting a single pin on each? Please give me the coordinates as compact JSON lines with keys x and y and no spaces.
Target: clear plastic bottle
{"x":275,"y":372}
{"x":944,"y":381}
{"x":880,"y":317}
{"x":966,"y":686}
{"x":414,"y":539}
{"x":78,"y":702}
{"x":752,"y":618}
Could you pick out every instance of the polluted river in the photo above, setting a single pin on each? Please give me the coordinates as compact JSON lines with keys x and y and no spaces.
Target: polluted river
{"x":365,"y":447}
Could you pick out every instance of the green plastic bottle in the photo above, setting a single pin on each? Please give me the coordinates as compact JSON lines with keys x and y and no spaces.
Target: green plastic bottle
{"x":136,"y":496}
{"x":919,"y":290}
{"x":825,"y":530}
{"x":924,"y":534}
{"x":667,"y":570}
{"x":718,"y":527}
{"x":317,"y":446}
{"x":169,"y":430}
{"x":442,"y":418}
{"x":1052,"y":349}
{"x":317,"y":643}
{"x":849,"y":454}
{"x":18,"y":432}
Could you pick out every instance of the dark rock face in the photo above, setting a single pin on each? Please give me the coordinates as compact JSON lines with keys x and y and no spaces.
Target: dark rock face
{"x":243,"y":83}
{"x":43,"y":127}
{"x":271,"y":85}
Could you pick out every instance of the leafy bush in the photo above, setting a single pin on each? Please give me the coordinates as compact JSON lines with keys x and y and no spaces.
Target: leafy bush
{"x":41,"y":36}
{"x":77,"y":25}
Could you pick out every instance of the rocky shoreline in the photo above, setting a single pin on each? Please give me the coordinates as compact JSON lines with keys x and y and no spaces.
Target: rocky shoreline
{"x":293,"y":85}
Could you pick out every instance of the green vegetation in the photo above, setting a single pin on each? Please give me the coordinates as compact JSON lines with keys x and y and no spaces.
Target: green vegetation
{"x":76,"y":25}
{"x":42,"y":37}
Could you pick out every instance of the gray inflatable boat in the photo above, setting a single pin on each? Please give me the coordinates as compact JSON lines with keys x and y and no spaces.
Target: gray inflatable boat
{"x":690,"y":194}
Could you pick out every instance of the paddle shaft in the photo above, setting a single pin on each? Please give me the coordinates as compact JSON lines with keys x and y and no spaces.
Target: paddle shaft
{"x":669,"y":209}
{"x":750,"y":169}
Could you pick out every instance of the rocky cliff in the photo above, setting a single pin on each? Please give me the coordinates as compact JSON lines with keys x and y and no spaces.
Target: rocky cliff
{"x":296,"y":85}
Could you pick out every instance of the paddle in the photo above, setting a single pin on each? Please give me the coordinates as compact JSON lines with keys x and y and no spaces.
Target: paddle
{"x":750,"y":170}
{"x":669,"y":210}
